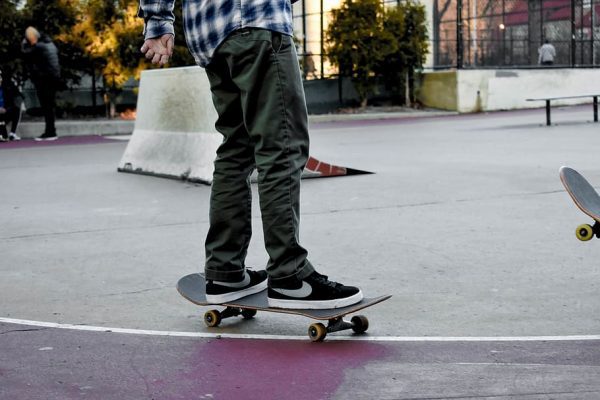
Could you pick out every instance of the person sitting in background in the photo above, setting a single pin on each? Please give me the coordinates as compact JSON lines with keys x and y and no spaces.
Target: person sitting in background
{"x":41,"y":56}
{"x":10,"y":108}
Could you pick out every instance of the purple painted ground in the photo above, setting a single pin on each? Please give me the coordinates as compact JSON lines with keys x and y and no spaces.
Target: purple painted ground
{"x":39,"y":363}
{"x":43,"y":363}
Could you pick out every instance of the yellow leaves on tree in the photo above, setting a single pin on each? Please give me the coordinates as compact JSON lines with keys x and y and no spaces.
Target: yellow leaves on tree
{"x":110,"y":36}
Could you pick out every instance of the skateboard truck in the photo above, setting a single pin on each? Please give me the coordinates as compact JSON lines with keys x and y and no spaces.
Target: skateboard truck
{"x":316,"y":332}
{"x":213,"y":318}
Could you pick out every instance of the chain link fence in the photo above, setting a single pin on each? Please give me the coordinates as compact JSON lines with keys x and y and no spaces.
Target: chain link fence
{"x":508,"y":33}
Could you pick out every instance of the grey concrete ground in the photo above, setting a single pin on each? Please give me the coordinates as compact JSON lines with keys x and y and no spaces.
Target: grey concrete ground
{"x":465,"y":222}
{"x":32,"y":129}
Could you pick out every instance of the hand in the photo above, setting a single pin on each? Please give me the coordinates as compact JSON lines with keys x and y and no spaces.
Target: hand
{"x":159,"y":49}
{"x":2,"y":110}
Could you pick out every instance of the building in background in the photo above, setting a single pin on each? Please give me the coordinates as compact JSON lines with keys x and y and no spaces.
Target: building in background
{"x":508,"y":33}
{"x":485,"y":53}
{"x":478,"y":33}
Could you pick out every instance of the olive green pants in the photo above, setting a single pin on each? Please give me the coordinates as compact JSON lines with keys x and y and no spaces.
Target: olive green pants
{"x":258,"y":94}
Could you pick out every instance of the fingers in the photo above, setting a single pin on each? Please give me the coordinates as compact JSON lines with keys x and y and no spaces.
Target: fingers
{"x":164,"y":60}
{"x":170,"y":45}
{"x":160,"y":59}
{"x":150,"y":54}
{"x":158,"y":51}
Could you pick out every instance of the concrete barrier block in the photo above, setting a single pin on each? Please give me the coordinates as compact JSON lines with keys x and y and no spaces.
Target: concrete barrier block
{"x":174,"y":134}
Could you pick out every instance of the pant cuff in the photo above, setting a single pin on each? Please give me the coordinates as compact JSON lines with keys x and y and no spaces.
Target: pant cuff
{"x":301,"y":273}
{"x":224,"y":276}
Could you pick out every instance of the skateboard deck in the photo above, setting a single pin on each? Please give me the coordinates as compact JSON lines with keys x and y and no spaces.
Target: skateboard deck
{"x":586,"y":199}
{"x":193,"y":288}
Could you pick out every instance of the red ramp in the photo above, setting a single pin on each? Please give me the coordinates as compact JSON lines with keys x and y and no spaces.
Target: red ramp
{"x":319,"y":169}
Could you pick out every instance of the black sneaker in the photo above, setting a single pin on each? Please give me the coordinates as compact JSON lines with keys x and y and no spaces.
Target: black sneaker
{"x":314,"y":292}
{"x":218,"y":292}
{"x":47,"y":136}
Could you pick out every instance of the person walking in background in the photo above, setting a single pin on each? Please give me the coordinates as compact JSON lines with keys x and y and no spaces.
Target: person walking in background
{"x":41,"y":57}
{"x":547,"y":53}
{"x":309,"y":66}
{"x":252,"y":65}
{"x":10,"y":108}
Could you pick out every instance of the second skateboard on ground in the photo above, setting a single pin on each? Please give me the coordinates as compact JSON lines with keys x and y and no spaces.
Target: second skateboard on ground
{"x":587,"y":200}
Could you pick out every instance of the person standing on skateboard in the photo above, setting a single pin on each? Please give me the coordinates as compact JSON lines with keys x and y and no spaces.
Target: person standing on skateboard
{"x":247,"y":50}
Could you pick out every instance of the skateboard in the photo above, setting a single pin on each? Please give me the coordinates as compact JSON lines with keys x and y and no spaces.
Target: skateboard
{"x":193,"y":288}
{"x":586,"y":198}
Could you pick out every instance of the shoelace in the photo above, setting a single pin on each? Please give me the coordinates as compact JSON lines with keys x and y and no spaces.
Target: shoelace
{"x":324,"y":280}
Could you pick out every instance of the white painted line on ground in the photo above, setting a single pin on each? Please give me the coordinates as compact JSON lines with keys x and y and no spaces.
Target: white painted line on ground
{"x":207,"y":335}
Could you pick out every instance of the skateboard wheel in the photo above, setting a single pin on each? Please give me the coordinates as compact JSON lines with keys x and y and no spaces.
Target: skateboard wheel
{"x":360,"y":324}
{"x":212,"y":318}
{"x":317,"y":332}
{"x":248,"y":314}
{"x":584,"y":232}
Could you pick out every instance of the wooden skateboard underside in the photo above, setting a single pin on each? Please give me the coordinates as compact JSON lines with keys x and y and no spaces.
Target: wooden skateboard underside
{"x":582,"y":193}
{"x":193,"y":286}
{"x":585,"y":198}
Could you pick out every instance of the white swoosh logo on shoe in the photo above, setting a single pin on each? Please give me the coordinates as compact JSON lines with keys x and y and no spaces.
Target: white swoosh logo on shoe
{"x":236,"y":285}
{"x":303,"y":292}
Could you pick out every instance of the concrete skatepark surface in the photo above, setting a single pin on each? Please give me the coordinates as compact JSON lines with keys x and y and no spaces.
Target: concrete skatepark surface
{"x":465,"y":222}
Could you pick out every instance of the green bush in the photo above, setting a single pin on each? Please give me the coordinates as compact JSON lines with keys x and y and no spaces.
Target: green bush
{"x":367,"y":41}
{"x":358,"y":42}
{"x":408,"y":22}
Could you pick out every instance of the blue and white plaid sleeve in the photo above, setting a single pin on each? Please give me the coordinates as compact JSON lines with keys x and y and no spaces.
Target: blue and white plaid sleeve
{"x":158,"y":17}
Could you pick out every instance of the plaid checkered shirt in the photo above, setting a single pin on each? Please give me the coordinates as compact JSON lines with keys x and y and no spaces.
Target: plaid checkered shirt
{"x":208,"y":22}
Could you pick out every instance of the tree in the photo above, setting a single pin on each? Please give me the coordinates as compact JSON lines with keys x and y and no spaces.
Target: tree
{"x":408,"y":23}
{"x":108,"y":33}
{"x":10,"y":37}
{"x":359,"y":42}
{"x":111,"y":35}
{"x":98,"y":38}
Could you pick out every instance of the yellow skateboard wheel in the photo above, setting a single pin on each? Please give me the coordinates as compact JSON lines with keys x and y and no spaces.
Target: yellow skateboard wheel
{"x":317,"y":332}
{"x":584,"y":232}
{"x":212,"y":318}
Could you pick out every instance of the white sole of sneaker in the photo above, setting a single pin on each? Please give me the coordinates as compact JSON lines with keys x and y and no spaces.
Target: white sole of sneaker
{"x":316,"y":304}
{"x":46,"y":139}
{"x":233,"y":296}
